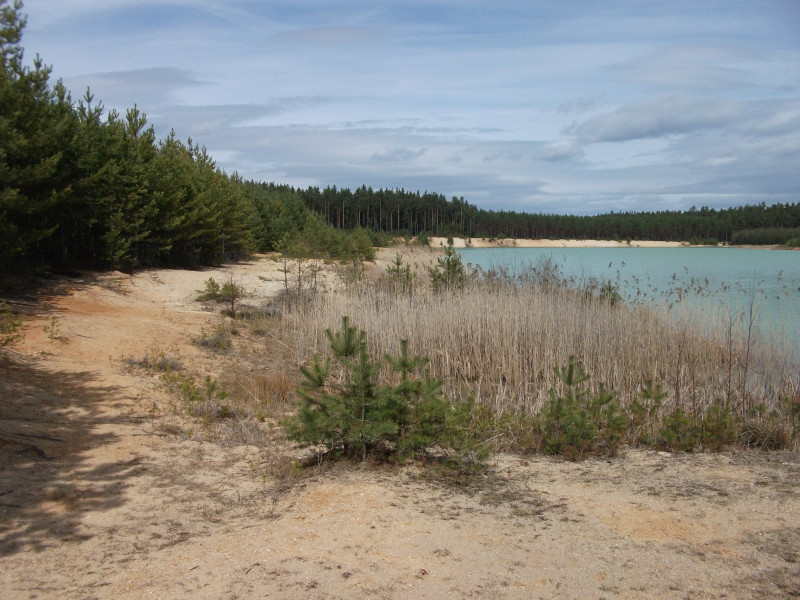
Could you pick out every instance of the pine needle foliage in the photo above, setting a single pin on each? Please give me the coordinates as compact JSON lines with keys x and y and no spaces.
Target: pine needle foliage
{"x":578,"y":422}
{"x":449,"y":272}
{"x":9,"y":323}
{"x":347,"y":409}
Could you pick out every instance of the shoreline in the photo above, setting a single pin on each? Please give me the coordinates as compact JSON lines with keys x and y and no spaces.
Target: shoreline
{"x":441,"y":242}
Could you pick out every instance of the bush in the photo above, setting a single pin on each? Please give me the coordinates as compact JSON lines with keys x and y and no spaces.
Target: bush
{"x":644,"y":412}
{"x":449,"y":272}
{"x":347,"y":410}
{"x":717,"y":428}
{"x":219,"y":340}
{"x":696,"y":241}
{"x":678,"y":432}
{"x":206,"y":402}
{"x":210,"y":292}
{"x":157,"y":362}
{"x":9,"y":323}
{"x":579,"y":423}
{"x":400,"y":276}
{"x":768,"y":431}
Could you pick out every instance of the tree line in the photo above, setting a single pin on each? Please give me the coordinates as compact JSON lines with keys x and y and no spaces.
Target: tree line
{"x":82,"y":187}
{"x":404,"y":212}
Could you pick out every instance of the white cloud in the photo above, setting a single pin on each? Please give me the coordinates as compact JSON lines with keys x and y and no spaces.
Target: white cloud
{"x":560,"y":150}
{"x":566,"y":107}
{"x":657,"y":117}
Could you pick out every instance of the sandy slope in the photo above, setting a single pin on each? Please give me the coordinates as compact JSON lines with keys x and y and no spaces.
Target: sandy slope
{"x":122,"y":509}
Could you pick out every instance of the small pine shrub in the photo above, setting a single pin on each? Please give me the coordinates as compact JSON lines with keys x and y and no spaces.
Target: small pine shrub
{"x":610,"y":293}
{"x":678,"y":432}
{"x":218,"y":340}
{"x":53,"y":329}
{"x":579,"y":423}
{"x":206,"y":402}
{"x":449,"y":272}
{"x":230,"y":293}
{"x":400,"y":276}
{"x":791,"y":408}
{"x":9,"y":324}
{"x":211,"y":291}
{"x":717,"y":428}
{"x":345,"y":408}
{"x":644,"y":414}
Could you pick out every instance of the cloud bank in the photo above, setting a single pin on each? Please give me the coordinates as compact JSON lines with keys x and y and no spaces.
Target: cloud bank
{"x":581,"y":108}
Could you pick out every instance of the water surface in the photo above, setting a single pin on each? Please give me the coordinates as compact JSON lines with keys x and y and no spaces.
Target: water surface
{"x":733,"y":279}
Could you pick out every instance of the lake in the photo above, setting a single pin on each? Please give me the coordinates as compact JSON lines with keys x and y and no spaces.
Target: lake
{"x":726,"y":278}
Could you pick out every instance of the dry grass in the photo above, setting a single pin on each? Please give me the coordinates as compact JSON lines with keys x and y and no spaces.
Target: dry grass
{"x":501,"y":341}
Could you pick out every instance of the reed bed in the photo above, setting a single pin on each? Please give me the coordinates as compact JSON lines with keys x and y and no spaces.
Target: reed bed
{"x":498,"y":339}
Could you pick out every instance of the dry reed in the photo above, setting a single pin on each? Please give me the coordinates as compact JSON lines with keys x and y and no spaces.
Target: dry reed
{"x":500,"y":340}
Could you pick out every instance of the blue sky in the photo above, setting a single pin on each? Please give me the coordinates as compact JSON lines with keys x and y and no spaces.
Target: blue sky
{"x":559,"y":107}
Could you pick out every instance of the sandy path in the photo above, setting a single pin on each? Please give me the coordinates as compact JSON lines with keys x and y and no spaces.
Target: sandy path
{"x":124,"y":510}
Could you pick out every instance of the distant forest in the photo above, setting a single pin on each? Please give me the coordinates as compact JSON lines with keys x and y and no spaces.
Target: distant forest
{"x":84,"y":188}
{"x":403,"y":212}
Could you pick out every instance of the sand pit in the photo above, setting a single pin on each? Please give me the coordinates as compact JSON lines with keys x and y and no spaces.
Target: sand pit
{"x":100,"y":499}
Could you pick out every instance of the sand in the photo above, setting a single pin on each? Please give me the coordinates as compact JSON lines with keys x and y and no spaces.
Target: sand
{"x":100,"y":499}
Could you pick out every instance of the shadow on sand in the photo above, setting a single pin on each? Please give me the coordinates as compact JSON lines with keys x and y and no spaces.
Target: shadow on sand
{"x":49,"y":421}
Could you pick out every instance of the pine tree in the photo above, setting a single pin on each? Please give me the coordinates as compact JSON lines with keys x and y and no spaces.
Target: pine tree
{"x":33,"y":120}
{"x":348,"y":410}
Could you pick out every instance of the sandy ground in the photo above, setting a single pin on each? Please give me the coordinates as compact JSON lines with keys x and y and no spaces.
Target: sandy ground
{"x":99,"y":500}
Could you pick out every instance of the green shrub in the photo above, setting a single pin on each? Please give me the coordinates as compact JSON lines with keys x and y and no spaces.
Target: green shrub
{"x":206,"y":402}
{"x":218,"y":340}
{"x":717,"y":428}
{"x":9,"y":323}
{"x":53,"y":329}
{"x":230,"y":293}
{"x":449,"y":272}
{"x":644,"y":412}
{"x":401,"y":276}
{"x":579,"y":423}
{"x":345,"y":408}
{"x":210,"y":292}
{"x":610,"y":293}
{"x":678,"y":432}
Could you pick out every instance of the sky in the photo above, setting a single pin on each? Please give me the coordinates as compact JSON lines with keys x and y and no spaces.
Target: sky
{"x":578,"y":106}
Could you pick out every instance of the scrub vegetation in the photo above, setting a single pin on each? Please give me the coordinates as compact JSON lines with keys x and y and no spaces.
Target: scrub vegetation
{"x":542,"y":365}
{"x":550,"y":368}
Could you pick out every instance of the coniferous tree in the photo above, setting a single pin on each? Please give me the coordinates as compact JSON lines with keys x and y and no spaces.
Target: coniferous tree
{"x":33,"y":120}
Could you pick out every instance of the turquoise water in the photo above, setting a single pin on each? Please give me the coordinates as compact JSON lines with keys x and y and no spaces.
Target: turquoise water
{"x":727,"y":278}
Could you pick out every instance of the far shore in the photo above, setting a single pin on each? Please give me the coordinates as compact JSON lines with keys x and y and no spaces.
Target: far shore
{"x":441,"y":242}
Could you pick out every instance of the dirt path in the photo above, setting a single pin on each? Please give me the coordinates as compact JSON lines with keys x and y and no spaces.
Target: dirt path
{"x":119,"y":508}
